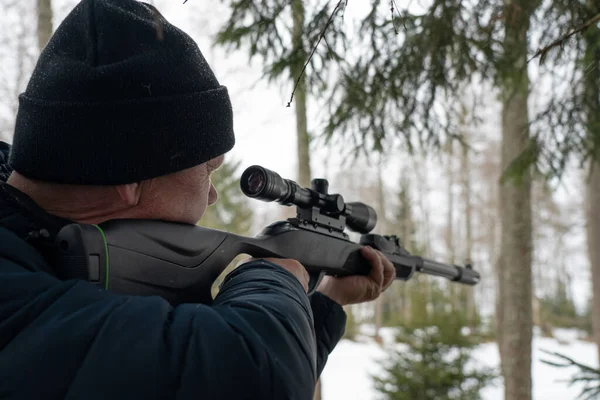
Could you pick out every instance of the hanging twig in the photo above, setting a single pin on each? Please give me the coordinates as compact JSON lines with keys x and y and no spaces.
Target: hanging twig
{"x":344,"y":9}
{"x":559,"y":42}
{"x":392,"y":4}
{"x":393,"y":20}
{"x":329,"y":21}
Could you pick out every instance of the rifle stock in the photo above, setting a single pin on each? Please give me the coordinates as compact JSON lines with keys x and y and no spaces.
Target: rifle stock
{"x":180,"y":262}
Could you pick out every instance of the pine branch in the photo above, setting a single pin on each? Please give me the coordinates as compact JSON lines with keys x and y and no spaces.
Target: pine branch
{"x":321,"y":35}
{"x":560,"y":42}
{"x":588,"y":375}
{"x":569,"y":362}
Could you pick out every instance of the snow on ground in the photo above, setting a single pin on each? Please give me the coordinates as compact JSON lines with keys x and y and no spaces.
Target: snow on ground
{"x":347,"y":375}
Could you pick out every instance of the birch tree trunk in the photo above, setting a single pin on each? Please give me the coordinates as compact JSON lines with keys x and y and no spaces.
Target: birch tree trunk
{"x":515,"y":317}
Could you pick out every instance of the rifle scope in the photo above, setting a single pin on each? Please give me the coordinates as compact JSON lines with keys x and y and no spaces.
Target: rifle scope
{"x":263,"y":184}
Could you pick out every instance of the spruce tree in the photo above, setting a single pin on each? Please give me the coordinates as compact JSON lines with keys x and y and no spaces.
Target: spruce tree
{"x":433,"y":358}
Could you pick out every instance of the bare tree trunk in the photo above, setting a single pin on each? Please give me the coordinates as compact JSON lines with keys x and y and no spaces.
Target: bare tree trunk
{"x":450,"y":213}
{"x":381,"y":229}
{"x":500,"y":309}
{"x":422,"y":191}
{"x":22,"y":72}
{"x":537,"y":313}
{"x":303,"y":139}
{"x":491,"y":223}
{"x":592,"y":102}
{"x":406,"y":305}
{"x":466,"y":187}
{"x":425,"y":241}
{"x":404,"y":224}
{"x":537,"y":271}
{"x":304,"y":174}
{"x":378,"y":318}
{"x":593,"y":245}
{"x":547,"y":271}
{"x":515,"y":319}
{"x":450,"y":247}
{"x":44,"y":28}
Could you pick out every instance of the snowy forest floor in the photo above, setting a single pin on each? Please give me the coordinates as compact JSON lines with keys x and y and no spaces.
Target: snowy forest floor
{"x":347,"y":375}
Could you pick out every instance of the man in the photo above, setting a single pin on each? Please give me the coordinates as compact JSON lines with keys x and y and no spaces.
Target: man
{"x":123,"y":118}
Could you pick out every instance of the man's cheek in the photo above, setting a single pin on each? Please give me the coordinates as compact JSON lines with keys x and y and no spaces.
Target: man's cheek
{"x":213,"y":196}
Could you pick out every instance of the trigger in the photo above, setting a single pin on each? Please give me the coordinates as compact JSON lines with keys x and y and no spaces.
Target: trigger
{"x":314,"y":281}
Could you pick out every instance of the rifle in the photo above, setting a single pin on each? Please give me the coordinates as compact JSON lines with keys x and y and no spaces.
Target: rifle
{"x":180,"y":262}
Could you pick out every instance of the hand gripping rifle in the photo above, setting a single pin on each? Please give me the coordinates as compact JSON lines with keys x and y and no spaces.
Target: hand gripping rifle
{"x":180,"y":262}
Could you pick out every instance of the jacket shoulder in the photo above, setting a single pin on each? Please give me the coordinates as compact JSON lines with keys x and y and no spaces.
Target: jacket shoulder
{"x":5,"y":169}
{"x":19,"y":252}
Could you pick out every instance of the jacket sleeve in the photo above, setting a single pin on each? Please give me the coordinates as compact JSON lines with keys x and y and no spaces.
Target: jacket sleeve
{"x":330,"y":325}
{"x":257,"y":341}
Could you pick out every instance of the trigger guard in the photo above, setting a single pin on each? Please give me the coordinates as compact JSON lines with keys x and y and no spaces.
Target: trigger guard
{"x":314,"y":281}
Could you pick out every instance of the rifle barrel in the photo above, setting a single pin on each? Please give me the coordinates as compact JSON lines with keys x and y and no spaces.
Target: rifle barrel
{"x":453,"y":272}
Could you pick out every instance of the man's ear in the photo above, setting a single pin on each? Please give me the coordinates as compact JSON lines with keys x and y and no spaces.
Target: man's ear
{"x":130,"y":193}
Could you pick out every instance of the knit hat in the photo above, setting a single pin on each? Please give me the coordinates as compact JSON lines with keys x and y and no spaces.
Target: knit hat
{"x":119,"y":95}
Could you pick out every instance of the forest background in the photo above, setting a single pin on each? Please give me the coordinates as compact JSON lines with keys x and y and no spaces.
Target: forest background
{"x":439,"y":115}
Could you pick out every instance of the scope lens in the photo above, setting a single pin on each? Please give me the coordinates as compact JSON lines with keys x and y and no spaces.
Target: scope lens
{"x":256,"y":182}
{"x":266,"y":185}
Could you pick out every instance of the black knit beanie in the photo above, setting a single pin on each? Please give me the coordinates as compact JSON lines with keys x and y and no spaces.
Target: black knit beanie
{"x":117,"y":96}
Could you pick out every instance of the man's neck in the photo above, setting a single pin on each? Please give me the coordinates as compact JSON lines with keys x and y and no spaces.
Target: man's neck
{"x":90,"y":205}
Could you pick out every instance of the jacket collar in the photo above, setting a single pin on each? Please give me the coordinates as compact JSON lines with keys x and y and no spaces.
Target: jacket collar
{"x":22,"y":216}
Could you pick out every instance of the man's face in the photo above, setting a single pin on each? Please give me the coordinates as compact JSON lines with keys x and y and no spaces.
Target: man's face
{"x":184,"y":196}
